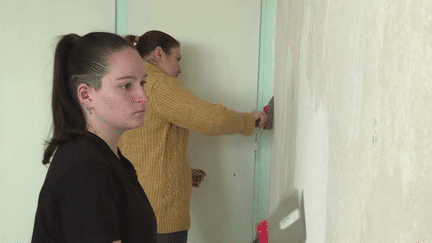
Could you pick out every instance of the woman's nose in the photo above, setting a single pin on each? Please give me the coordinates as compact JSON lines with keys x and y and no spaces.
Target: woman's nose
{"x":141,"y":96}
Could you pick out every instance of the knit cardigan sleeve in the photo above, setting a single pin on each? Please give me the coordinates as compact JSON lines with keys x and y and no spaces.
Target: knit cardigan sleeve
{"x":176,"y":105}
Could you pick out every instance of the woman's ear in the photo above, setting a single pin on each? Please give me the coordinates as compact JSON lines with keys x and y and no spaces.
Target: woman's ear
{"x":84,"y":93}
{"x":158,"y":53}
{"x":154,"y":57}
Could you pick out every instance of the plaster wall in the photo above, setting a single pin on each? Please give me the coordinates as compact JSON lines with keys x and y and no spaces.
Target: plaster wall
{"x":357,"y":75}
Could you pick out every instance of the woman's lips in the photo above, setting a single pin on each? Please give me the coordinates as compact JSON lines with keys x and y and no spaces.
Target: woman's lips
{"x":141,"y":111}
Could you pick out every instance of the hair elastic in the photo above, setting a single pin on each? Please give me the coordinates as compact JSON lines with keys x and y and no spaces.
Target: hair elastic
{"x":136,"y":39}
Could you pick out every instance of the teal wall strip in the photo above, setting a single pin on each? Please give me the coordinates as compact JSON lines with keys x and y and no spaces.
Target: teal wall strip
{"x":122,"y":17}
{"x":265,"y":92}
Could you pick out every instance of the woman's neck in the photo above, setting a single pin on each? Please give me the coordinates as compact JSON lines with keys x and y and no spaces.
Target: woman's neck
{"x":111,"y":137}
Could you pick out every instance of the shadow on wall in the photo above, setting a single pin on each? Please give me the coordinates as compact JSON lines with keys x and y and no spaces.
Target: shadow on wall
{"x":203,"y":154}
{"x":190,"y":64}
{"x":216,"y":204}
{"x":196,"y":58}
{"x":206,"y":214}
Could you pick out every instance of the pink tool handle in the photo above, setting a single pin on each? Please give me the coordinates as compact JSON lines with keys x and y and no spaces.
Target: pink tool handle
{"x":262,"y":231}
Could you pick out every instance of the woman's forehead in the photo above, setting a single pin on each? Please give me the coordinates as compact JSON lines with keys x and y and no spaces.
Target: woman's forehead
{"x":125,"y":61}
{"x":123,"y":56}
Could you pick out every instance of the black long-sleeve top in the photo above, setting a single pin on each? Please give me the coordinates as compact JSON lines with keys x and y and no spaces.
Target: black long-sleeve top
{"x":90,"y":195}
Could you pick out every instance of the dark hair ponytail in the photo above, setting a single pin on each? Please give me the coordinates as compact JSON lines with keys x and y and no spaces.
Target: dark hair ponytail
{"x":77,"y":60}
{"x":133,"y":39}
{"x":152,"y":39}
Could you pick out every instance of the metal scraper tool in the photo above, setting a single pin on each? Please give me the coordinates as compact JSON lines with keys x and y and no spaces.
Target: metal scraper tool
{"x":286,"y":225}
{"x":269,"y":110}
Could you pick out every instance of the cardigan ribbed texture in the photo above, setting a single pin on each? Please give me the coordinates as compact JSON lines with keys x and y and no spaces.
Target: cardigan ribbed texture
{"x":158,"y":148}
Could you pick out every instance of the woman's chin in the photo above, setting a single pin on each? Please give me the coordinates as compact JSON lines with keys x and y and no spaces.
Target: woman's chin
{"x":136,"y":125}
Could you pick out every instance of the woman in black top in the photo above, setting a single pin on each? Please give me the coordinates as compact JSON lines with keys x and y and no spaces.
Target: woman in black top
{"x":91,"y":192}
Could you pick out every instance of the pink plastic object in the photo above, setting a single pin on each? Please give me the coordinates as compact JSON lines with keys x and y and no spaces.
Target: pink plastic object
{"x":262,"y":231}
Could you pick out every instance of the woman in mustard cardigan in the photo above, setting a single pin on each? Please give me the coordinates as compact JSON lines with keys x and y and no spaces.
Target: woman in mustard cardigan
{"x":158,"y":149}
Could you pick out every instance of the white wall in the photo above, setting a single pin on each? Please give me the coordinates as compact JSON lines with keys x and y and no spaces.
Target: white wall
{"x":27,"y":40}
{"x":360,"y":77}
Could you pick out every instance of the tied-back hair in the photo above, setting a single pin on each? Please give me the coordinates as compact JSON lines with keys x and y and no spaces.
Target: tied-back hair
{"x":77,"y":60}
{"x":152,"y":39}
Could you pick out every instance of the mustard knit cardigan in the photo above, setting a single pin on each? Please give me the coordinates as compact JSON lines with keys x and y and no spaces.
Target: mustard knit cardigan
{"x":158,"y":148}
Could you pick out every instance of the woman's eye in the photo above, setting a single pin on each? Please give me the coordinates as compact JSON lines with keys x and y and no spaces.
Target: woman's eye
{"x":143,"y":82}
{"x":126,"y":86}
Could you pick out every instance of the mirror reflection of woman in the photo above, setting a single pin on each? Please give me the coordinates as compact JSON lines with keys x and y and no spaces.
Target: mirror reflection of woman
{"x":91,"y":192}
{"x":158,"y":149}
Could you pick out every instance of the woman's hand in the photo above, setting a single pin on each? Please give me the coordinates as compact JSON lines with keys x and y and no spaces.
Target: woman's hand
{"x":260,"y":115}
{"x":198,"y":176}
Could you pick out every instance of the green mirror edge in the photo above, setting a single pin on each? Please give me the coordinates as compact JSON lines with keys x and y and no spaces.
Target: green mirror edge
{"x":121,"y":17}
{"x":265,"y":93}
